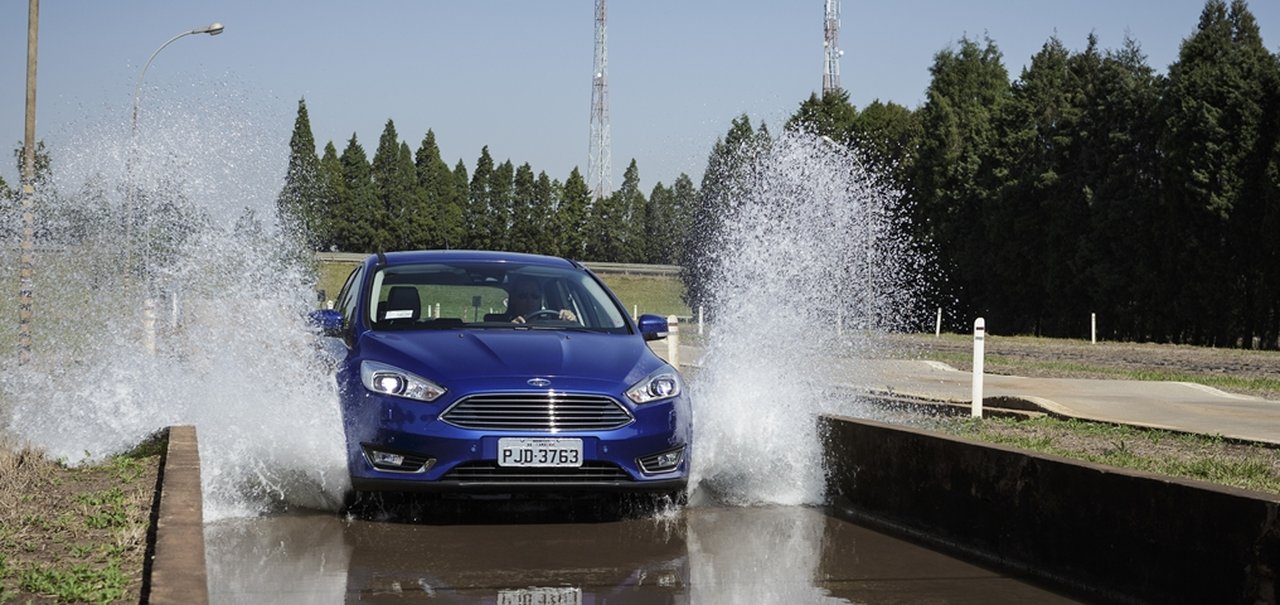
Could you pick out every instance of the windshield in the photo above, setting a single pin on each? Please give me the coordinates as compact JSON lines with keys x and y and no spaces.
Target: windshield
{"x":490,"y":295}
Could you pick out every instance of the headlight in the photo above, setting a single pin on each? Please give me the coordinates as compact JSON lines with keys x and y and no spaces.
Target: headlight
{"x":662,"y":384}
{"x":390,"y":380}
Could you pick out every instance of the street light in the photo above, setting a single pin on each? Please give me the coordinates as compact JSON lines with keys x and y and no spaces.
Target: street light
{"x":212,"y":29}
{"x":149,"y":303}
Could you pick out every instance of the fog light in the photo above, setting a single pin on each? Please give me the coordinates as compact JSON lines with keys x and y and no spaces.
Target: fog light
{"x":387,"y":459}
{"x":669,"y":458}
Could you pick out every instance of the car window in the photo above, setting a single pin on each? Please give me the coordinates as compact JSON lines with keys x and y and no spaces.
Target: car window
{"x":347,"y":297}
{"x":490,"y":295}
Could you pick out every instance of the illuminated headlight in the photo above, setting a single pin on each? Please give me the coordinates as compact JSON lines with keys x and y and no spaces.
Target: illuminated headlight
{"x":661,"y":385}
{"x":390,"y":380}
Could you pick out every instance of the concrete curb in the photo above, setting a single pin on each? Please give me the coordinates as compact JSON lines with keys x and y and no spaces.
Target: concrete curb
{"x":177,"y":571}
{"x":1102,"y":532}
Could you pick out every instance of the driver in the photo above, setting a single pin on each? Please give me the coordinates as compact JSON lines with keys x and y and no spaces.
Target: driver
{"x":525,"y":299}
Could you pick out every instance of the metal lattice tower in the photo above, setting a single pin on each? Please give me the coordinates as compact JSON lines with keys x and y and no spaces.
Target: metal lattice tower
{"x":831,"y":46}
{"x":599,"y":165}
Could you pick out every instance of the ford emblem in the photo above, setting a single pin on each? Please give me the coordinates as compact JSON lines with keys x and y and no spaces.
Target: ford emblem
{"x":539,"y":382}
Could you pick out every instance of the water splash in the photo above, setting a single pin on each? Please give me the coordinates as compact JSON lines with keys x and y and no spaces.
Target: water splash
{"x":812,"y":263}
{"x":180,"y":215}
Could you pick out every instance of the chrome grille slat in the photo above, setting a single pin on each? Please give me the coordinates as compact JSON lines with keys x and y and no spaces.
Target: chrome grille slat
{"x":548,"y":411}
{"x":488,"y":471}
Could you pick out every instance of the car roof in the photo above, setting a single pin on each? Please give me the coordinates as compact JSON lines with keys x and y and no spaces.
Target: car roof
{"x":438,"y":256}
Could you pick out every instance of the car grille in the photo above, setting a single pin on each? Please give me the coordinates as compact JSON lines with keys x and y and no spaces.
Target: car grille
{"x":491,"y":472}
{"x":553,"y":412}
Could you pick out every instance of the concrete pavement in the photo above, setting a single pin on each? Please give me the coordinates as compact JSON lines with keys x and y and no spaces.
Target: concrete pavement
{"x":1177,"y":406}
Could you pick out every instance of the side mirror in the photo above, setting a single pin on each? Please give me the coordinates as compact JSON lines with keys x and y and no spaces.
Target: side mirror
{"x":653,"y":327}
{"x":328,"y":321}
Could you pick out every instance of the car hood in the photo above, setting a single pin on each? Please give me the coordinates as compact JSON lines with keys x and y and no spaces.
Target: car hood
{"x":506,"y":356}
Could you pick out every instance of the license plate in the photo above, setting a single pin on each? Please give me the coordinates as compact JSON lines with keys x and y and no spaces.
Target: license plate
{"x":523,"y":451}
{"x":541,"y":596}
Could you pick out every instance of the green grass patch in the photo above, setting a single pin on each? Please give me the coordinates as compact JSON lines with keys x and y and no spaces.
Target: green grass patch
{"x":659,"y":295}
{"x":1202,"y":457}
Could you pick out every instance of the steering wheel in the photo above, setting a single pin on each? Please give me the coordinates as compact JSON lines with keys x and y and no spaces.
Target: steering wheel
{"x":543,"y":314}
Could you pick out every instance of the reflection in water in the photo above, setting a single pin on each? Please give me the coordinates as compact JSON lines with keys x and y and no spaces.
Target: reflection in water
{"x":696,"y":555}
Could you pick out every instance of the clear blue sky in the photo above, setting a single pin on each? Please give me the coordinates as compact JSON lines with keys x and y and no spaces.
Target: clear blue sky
{"x":516,"y":75}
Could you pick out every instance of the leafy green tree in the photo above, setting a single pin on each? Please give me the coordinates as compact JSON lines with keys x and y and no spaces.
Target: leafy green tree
{"x":952,"y":172}
{"x":887,"y":134}
{"x":726,"y":179}
{"x":1117,"y":132}
{"x":1035,"y":217}
{"x":296,"y":204}
{"x":1216,"y":109}
{"x":831,"y":115}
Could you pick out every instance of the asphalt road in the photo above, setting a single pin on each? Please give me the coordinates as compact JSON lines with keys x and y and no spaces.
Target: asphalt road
{"x":534,"y":556}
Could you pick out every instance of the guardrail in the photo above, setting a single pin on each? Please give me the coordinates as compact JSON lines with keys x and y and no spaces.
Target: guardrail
{"x":602,"y":268}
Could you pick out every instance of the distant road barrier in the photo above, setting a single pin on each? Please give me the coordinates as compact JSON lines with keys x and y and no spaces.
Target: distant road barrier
{"x":603,"y":268}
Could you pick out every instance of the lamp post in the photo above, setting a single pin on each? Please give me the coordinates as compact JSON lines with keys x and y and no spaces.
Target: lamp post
{"x":212,"y":29}
{"x":149,"y":302}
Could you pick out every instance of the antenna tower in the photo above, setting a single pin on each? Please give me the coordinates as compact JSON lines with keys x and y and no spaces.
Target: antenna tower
{"x":599,"y":164}
{"x":831,"y":46}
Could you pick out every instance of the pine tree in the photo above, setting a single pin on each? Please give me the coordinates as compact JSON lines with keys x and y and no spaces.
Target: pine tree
{"x":726,"y":179}
{"x":360,"y":219}
{"x":395,"y":184}
{"x":952,"y":174}
{"x":501,"y":184}
{"x":831,"y":115}
{"x":1215,"y":114}
{"x":477,"y":213}
{"x":545,"y":194}
{"x":573,"y":215}
{"x":684,"y":197}
{"x":458,"y":193}
{"x":524,"y":221}
{"x":333,"y":193}
{"x":440,"y":200}
{"x":295,"y":206}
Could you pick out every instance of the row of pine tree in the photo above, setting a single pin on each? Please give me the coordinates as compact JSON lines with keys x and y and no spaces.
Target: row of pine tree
{"x":403,"y":199}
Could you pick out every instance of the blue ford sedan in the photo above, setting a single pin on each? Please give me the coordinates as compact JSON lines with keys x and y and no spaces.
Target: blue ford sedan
{"x":471,"y":372}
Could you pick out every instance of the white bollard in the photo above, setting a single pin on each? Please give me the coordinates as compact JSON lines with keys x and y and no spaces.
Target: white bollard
{"x":979,"y":346}
{"x":149,"y":324}
{"x":1093,"y":328}
{"x":437,"y":311}
{"x":699,"y":320}
{"x":937,"y":324}
{"x":673,"y":341}
{"x":635,"y":312}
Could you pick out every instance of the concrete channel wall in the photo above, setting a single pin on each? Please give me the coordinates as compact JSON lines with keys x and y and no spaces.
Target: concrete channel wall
{"x":1105,"y":533}
{"x":176,"y":574}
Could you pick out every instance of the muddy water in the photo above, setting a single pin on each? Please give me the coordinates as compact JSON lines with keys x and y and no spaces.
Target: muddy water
{"x":714,"y":555}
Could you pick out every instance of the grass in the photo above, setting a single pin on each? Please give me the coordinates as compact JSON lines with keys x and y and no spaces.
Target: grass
{"x":659,"y":295}
{"x":74,"y":534}
{"x":1201,"y":457}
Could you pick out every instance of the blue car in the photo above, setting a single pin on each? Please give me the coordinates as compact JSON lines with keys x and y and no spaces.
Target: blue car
{"x":470,"y":372}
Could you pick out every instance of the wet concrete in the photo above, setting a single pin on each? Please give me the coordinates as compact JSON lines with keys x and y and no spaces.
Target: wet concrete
{"x":699,"y":554}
